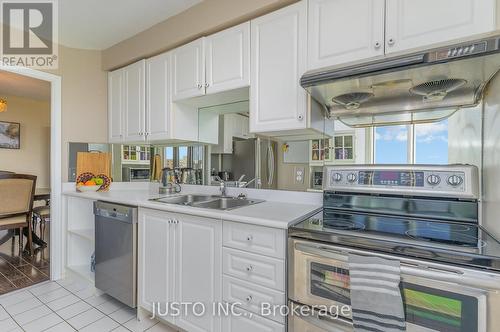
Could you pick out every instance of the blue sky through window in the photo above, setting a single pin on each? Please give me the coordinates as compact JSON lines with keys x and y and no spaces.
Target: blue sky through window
{"x":431,"y":145}
{"x":391,"y":145}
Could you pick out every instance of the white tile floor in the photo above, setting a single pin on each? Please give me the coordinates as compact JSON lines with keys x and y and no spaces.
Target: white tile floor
{"x":71,"y":304}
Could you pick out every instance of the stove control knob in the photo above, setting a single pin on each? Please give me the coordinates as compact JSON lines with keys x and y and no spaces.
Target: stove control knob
{"x":455,"y":180}
{"x":433,"y":179}
{"x":351,"y":177}
{"x":337,"y":177}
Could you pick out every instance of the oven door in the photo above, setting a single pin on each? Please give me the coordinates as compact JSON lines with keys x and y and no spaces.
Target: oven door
{"x":436,"y":297}
{"x":314,"y":322}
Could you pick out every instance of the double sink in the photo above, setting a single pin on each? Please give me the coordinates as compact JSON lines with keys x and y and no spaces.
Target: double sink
{"x":208,"y":201}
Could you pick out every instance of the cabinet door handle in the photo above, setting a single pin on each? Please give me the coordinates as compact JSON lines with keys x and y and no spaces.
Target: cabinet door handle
{"x":300,"y":117}
{"x":249,"y":268}
{"x":391,"y":42}
{"x":169,"y":221}
{"x":207,"y":85}
{"x":249,"y":298}
{"x":199,"y":85}
{"x":377,"y":45}
{"x":249,"y":238}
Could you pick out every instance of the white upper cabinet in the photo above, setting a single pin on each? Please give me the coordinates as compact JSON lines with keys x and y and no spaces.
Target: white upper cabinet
{"x":188,"y":66}
{"x":228,"y":59}
{"x":278,"y":60}
{"x":415,"y":23}
{"x":135,"y":90}
{"x":217,"y":63}
{"x":140,"y":106}
{"x":126,"y":103}
{"x":158,"y":106}
{"x":341,"y":31}
{"x":115,"y":106}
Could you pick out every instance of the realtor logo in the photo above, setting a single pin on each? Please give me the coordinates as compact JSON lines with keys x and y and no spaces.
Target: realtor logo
{"x":29,"y":33}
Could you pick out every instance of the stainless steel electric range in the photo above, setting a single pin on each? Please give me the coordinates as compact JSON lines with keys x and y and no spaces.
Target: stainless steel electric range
{"x":425,"y":216}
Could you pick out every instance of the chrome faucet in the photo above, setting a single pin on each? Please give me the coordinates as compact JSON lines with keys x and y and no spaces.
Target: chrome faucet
{"x":222,"y":188}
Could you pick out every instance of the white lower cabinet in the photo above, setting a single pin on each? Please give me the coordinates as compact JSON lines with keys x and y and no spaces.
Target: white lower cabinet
{"x":243,"y":321}
{"x":197,"y":268}
{"x":180,"y":262}
{"x":253,"y":297}
{"x":254,"y":277}
{"x":258,"y":269}
{"x":155,"y":278}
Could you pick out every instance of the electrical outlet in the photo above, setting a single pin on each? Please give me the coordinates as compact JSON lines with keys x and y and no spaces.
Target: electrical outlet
{"x":299,"y":173}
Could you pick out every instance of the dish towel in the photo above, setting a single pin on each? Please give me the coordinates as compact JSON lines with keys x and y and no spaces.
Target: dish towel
{"x":376,"y":301}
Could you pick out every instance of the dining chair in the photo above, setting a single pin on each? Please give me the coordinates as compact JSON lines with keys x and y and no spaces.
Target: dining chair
{"x":41,"y":216}
{"x":16,"y":204}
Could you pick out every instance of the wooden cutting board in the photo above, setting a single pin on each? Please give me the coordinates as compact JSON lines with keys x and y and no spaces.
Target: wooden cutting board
{"x":93,"y":162}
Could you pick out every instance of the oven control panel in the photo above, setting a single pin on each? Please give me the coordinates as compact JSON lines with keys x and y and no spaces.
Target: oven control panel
{"x":439,"y":181}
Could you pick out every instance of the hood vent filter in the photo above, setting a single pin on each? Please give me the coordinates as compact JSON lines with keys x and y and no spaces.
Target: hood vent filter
{"x":352,"y":101}
{"x":437,"y":90}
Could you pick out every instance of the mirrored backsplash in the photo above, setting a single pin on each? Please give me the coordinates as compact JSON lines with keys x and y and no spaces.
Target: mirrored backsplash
{"x":230,"y":153}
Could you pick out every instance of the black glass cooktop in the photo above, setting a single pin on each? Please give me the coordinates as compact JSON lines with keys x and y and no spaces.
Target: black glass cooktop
{"x":461,"y":242}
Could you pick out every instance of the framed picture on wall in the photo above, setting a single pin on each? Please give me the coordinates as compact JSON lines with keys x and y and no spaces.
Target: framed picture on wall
{"x":10,"y":135}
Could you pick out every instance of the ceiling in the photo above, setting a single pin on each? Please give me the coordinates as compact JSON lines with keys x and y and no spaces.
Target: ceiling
{"x":23,"y":86}
{"x":98,"y":24}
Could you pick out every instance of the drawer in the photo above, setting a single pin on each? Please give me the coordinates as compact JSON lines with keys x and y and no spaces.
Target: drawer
{"x":262,"y":270}
{"x":257,"y":239}
{"x":242,"y":321}
{"x":250,"y":296}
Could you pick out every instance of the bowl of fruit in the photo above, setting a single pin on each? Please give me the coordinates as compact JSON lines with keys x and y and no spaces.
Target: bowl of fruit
{"x":89,"y":182}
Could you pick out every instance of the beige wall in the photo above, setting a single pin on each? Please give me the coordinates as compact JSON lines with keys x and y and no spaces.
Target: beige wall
{"x":84,"y":99}
{"x":34,"y":155}
{"x":200,"y":20}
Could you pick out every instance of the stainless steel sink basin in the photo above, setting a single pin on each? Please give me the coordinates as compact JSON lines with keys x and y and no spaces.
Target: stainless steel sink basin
{"x":208,"y":201}
{"x":185,"y":199}
{"x":227,"y":203}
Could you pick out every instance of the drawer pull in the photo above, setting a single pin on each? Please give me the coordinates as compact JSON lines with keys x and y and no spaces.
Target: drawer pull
{"x":249,"y":238}
{"x":249,"y":298}
{"x":249,"y":268}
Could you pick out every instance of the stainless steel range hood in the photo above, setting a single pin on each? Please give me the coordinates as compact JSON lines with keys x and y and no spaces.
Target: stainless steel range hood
{"x":421,"y":87}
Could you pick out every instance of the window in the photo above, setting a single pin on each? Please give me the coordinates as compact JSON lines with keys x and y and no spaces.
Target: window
{"x":412,"y":144}
{"x":169,"y":157}
{"x":431,"y":143}
{"x":184,"y":157}
{"x":391,"y":145}
{"x":343,"y":147}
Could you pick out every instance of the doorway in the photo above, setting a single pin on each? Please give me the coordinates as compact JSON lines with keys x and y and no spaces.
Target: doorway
{"x":33,"y":100}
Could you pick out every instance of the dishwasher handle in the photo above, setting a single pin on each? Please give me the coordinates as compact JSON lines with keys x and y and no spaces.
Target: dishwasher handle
{"x":115,"y":212}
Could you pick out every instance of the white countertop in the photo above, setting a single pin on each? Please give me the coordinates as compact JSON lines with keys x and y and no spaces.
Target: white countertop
{"x":271,"y":213}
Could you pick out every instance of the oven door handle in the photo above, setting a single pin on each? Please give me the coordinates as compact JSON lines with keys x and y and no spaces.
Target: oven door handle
{"x":321,"y":251}
{"x":342,"y":255}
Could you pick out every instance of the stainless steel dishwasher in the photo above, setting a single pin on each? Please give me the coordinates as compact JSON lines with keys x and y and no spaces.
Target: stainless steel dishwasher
{"x":116,"y":251}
